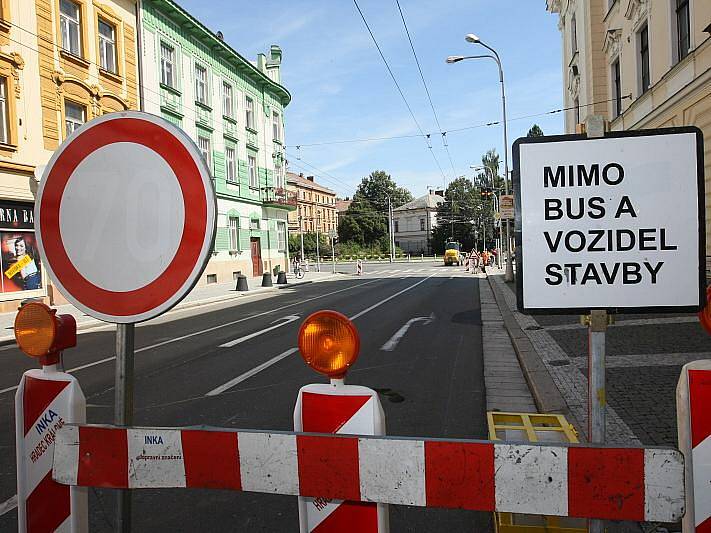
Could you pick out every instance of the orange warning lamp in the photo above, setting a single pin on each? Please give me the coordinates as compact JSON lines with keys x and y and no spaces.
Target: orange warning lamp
{"x":40,"y":332}
{"x":329,"y":343}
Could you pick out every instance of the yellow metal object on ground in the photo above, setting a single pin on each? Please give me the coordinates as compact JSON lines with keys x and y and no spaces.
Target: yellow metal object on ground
{"x":533,"y":427}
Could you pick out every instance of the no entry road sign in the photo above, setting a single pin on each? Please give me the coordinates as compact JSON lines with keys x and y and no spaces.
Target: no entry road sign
{"x":125,"y":216}
{"x":613,"y":223}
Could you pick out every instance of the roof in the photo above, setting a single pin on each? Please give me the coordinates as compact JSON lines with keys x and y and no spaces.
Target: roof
{"x":343,"y":205}
{"x":299,"y":181}
{"x":428,"y":201}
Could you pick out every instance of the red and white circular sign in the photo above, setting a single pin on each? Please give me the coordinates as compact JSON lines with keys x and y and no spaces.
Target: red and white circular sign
{"x":125,"y":216}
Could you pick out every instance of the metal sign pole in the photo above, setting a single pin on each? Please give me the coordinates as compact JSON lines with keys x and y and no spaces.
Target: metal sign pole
{"x":123,"y":410}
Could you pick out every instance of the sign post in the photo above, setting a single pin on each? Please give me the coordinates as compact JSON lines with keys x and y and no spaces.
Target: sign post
{"x":595,"y":233}
{"x":125,"y":217}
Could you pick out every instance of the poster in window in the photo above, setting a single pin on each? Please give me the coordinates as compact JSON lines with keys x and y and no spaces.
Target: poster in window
{"x":20,"y":262}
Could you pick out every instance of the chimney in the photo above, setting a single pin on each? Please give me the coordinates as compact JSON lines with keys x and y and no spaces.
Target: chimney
{"x":310,"y":178}
{"x":301,"y":174}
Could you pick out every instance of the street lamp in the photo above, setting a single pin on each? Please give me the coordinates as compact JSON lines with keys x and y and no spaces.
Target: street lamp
{"x":471,"y":38}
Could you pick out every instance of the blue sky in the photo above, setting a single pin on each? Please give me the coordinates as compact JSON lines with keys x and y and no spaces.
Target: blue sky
{"x":341,"y":89}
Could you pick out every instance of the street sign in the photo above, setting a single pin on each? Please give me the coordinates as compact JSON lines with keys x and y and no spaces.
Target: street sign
{"x":332,"y":234}
{"x":613,"y":223}
{"x":126,"y":216}
{"x":506,"y":206}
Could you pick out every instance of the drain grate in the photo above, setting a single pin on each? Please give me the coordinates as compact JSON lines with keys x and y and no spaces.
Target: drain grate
{"x":559,"y":362}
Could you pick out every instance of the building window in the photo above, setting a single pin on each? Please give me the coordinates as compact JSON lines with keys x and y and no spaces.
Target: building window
{"x":576,"y":111}
{"x":200,"y":84}
{"x":616,"y":89}
{"x":107,"y":46}
{"x":230,"y":164}
{"x":278,"y":175}
{"x":573,"y":34}
{"x":276,"y":129}
{"x":252,"y":165}
{"x":254,"y":223}
{"x":281,"y":236}
{"x":74,"y":116}
{"x":644,"y":58}
{"x":70,"y":25}
{"x":683,"y":30}
{"x":249,"y":112}
{"x":227,"y":106}
{"x":234,"y":233}
{"x":397,"y":226}
{"x":4,"y":113}
{"x":167,"y":65}
{"x":204,"y":146}
{"x":422,"y":224}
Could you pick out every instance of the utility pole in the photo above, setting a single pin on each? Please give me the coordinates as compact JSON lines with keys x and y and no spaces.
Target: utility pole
{"x":301,"y":234}
{"x":390,"y":229}
{"x":318,"y":258}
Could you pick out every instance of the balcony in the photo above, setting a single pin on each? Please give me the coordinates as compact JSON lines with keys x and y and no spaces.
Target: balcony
{"x":279,"y":197}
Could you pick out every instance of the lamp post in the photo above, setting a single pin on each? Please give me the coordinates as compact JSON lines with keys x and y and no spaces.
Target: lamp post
{"x":301,"y":235}
{"x":471,"y":38}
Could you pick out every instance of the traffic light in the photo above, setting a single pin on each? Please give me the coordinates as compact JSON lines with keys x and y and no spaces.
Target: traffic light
{"x":487,"y":192}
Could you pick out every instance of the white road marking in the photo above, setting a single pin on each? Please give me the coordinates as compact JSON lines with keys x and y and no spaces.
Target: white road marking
{"x":208,"y":330}
{"x":287,"y":320}
{"x":279,"y":357}
{"x":8,"y":505}
{"x":381,"y":302}
{"x":392,"y":343}
{"x":256,"y":370}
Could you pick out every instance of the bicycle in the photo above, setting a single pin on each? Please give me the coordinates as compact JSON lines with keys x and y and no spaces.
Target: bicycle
{"x":298,"y":271}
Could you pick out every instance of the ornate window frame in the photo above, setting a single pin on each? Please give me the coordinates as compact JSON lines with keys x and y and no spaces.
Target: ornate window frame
{"x":10,"y":66}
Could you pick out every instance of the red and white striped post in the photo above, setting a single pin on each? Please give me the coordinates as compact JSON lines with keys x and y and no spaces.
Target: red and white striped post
{"x":329,"y":344}
{"x":45,"y":401}
{"x":693,"y":407}
{"x":346,"y":410}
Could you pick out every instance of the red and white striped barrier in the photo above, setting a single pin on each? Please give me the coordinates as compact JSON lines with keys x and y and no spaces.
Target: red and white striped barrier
{"x":589,"y":482}
{"x":45,"y":401}
{"x":693,"y":397}
{"x":341,"y":409}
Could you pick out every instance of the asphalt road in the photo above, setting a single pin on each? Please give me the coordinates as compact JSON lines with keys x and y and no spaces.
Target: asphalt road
{"x":430,"y":384}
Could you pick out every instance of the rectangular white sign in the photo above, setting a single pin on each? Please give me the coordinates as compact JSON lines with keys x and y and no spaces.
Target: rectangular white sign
{"x":610,"y":223}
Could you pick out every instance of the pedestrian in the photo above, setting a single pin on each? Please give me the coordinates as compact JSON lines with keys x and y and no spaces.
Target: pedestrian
{"x":484,"y":260}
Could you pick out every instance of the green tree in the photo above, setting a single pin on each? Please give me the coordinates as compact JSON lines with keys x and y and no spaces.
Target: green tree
{"x":365,"y":223}
{"x":458,"y":215}
{"x":535,"y":131}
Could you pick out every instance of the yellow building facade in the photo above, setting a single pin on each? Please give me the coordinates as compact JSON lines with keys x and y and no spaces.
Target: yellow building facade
{"x":62,"y":62}
{"x":641,"y":64}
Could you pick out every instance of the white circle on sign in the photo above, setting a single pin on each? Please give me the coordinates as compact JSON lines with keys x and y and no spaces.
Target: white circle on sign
{"x":129,"y":228}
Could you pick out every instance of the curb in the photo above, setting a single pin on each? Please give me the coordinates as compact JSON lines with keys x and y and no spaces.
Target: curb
{"x":544,"y":390}
{"x":10,"y":339}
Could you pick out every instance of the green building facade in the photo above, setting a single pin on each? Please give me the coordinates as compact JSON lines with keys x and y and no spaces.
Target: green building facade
{"x":233,"y":109}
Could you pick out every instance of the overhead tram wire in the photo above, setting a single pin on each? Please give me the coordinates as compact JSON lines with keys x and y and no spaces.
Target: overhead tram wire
{"x":399,"y":89}
{"x":456,"y":130}
{"x":429,"y":97}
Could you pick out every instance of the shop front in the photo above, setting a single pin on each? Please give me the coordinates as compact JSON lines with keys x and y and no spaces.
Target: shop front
{"x":22,"y":272}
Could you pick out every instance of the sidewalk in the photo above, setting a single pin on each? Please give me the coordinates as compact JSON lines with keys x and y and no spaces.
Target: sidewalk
{"x":557,"y":385}
{"x":203,"y":295}
{"x":506,"y":387}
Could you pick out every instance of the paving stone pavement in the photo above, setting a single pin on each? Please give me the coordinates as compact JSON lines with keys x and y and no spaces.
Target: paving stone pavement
{"x":506,"y":388}
{"x":571,"y":382}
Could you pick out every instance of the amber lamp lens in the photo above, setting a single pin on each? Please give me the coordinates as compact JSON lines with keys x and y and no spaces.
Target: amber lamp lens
{"x":35,"y":329}
{"x":329,"y":343}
